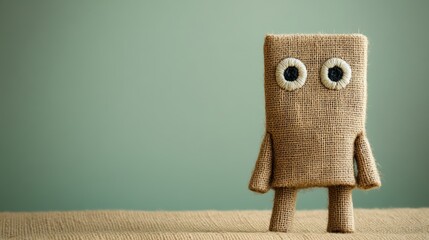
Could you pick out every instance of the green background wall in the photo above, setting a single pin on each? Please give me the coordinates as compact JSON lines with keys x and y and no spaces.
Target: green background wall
{"x":160,"y":105}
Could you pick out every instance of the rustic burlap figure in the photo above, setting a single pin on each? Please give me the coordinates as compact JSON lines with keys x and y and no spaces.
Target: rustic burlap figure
{"x":315,"y":101}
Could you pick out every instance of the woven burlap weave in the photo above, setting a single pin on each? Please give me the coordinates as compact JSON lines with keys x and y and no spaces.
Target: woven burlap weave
{"x":238,"y":225}
{"x":315,"y":133}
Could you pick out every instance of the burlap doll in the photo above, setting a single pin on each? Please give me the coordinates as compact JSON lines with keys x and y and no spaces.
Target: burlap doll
{"x":315,"y":102}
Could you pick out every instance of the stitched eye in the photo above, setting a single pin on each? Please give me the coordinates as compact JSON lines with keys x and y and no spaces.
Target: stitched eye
{"x":291,"y":74}
{"x":335,"y":74}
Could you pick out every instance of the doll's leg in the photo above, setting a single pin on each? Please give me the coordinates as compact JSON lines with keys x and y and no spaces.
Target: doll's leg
{"x":340,"y":209}
{"x":283,"y":209}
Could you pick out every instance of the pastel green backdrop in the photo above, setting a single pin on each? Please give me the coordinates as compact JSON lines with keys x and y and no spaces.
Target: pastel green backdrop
{"x":160,"y":105}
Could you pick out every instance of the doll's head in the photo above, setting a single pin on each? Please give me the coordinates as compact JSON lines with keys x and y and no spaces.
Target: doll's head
{"x":316,"y":81}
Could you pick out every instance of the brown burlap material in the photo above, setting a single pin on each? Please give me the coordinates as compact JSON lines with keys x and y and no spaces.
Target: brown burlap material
{"x":313,"y":129}
{"x":341,"y":217}
{"x":314,"y":132}
{"x":283,"y":209}
{"x":237,"y":225}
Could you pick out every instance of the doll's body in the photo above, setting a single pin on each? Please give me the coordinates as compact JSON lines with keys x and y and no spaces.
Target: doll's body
{"x":315,"y":99}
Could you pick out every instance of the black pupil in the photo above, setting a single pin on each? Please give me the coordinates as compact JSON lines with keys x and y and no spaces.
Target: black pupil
{"x":335,"y":73}
{"x":291,"y":74}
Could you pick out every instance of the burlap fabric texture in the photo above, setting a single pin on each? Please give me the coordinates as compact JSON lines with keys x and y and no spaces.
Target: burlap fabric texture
{"x":315,"y":133}
{"x":238,"y":225}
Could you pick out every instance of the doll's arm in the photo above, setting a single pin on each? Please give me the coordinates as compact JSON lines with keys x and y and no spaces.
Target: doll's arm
{"x":261,"y":177}
{"x":367,"y":176}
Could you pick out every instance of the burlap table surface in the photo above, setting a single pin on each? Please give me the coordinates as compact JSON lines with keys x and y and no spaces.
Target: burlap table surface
{"x":119,"y":224}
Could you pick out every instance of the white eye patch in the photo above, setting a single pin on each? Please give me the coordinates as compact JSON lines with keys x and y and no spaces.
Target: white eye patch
{"x":291,"y":74}
{"x":335,"y":74}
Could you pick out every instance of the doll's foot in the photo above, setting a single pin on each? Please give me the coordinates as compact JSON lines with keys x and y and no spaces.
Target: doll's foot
{"x":341,"y":229}
{"x":279,"y":228}
{"x":281,"y":222}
